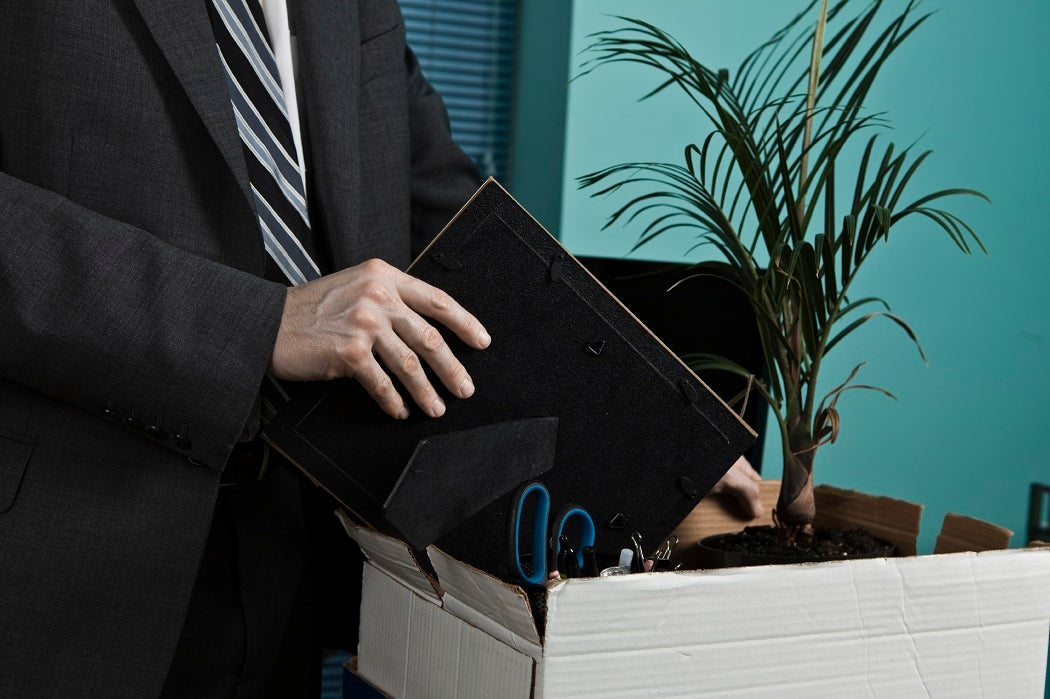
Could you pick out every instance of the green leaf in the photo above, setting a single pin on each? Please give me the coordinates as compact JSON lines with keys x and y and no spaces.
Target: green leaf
{"x":848,"y":238}
{"x":880,"y":314}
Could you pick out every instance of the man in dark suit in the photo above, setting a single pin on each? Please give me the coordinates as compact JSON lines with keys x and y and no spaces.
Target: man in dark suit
{"x":138,"y":324}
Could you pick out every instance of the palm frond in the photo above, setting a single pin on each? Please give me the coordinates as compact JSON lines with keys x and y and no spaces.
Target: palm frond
{"x":765,"y":181}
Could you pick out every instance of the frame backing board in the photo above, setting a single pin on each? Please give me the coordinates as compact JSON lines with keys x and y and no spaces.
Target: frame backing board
{"x":639,"y":439}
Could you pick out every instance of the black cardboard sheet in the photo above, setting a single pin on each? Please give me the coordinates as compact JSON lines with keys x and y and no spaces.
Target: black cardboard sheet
{"x":573,"y":390}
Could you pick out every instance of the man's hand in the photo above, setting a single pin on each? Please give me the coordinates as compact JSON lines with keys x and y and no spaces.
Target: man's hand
{"x":741,"y":481}
{"x":345,"y":324}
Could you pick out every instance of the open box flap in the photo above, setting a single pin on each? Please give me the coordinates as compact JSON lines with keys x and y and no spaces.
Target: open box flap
{"x":393,"y":557}
{"x":497,"y":608}
{"x":894,"y":520}
{"x":960,"y":533}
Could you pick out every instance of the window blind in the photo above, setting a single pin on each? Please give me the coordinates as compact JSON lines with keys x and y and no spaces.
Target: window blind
{"x":466,"y":50}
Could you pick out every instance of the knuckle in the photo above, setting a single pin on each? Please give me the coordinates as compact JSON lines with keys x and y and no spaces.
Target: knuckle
{"x":431,"y":339}
{"x":374,"y":266}
{"x":377,"y":293}
{"x":363,"y":319}
{"x":440,"y":300}
{"x":459,"y":374}
{"x":355,"y":352}
{"x":383,"y":388}
{"x":410,"y":364}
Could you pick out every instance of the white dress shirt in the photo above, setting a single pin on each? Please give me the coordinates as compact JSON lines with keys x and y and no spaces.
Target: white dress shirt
{"x":276,"y":14}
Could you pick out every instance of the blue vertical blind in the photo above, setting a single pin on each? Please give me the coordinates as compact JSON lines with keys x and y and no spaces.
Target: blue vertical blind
{"x":466,"y":49}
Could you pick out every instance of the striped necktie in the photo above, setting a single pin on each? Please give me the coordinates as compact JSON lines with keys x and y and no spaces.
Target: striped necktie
{"x":262,"y":121}
{"x":261,"y":113}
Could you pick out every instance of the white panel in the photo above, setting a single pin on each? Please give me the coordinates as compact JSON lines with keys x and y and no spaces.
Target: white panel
{"x":386,"y":618}
{"x":941,"y":626}
{"x":413,"y":649}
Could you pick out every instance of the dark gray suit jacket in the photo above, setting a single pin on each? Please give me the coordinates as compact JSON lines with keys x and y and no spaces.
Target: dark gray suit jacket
{"x":135,"y":327}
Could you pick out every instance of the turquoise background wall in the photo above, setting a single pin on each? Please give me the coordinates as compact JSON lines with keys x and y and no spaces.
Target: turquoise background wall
{"x":968,"y":431}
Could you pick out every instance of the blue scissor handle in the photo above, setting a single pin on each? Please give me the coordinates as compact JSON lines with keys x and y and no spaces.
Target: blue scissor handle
{"x":586,"y":530}
{"x":539,"y":531}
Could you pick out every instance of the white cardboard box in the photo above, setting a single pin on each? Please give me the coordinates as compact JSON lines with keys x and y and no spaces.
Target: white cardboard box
{"x":949,"y":625}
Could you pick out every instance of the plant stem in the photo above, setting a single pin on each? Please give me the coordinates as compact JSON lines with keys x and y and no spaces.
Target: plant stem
{"x":811,"y":99}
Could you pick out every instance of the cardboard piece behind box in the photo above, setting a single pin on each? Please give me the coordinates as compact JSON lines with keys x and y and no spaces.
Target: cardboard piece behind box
{"x":946,"y":625}
{"x":573,"y":384}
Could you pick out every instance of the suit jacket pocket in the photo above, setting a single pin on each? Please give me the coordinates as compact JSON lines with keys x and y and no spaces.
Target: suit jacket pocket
{"x":15,"y":451}
{"x":383,"y":53}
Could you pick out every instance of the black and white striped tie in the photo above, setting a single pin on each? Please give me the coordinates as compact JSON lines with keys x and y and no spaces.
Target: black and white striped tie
{"x":262,"y":121}
{"x":261,"y":113}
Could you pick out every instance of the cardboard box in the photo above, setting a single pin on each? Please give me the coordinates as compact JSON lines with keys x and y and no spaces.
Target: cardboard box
{"x":944,"y":625}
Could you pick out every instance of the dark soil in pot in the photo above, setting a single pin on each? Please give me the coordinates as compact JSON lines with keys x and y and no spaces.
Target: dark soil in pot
{"x":761,"y":546}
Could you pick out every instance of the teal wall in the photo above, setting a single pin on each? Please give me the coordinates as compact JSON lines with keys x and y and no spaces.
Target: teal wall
{"x":538,"y":123}
{"x":967,"y":431}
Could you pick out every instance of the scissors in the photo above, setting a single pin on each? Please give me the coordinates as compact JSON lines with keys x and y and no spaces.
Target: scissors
{"x":545,"y":542}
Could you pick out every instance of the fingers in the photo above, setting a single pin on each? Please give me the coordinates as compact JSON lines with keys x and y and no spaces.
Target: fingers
{"x":416,"y":342}
{"x":405,"y":363}
{"x":378,"y":384}
{"x":741,"y":481}
{"x":431,"y":347}
{"x":367,"y":323}
{"x":749,"y":497}
{"x":744,"y":467}
{"x":435,"y":303}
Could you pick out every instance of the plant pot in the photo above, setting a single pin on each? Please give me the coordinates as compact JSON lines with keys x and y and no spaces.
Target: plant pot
{"x":717,"y":551}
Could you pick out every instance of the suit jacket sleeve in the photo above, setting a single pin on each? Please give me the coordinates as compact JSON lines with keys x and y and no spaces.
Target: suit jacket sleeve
{"x":124,"y":233}
{"x":107,"y":317}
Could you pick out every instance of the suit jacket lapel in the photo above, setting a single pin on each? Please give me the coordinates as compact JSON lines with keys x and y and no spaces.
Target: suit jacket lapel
{"x":329,"y":68}
{"x":329,"y":112}
{"x":184,"y":34}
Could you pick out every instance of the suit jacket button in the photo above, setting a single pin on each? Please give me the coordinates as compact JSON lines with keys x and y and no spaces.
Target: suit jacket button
{"x":155,"y":431}
{"x":181,"y":441}
{"x":110,"y":414}
{"x":133,"y":423}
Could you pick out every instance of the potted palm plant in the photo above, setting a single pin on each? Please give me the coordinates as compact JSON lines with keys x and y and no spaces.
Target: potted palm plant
{"x":794,"y":186}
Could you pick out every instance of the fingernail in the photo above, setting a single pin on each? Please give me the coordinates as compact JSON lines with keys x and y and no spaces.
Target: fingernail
{"x":437,"y":408}
{"x":485,"y":339}
{"x":466,"y":389}
{"x":403,"y":413}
